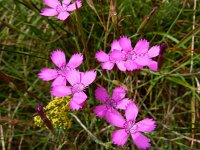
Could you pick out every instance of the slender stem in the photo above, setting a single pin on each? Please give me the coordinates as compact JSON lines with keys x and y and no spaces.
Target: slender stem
{"x":90,"y":134}
{"x":193,"y":99}
{"x":2,"y":138}
{"x":83,"y":40}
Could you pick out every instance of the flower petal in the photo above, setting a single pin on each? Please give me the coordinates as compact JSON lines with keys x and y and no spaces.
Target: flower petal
{"x":61,"y":90}
{"x":63,"y":15}
{"x":123,"y":103}
{"x":119,"y":137}
{"x":75,"y":61}
{"x":58,"y":58}
{"x":88,"y":77}
{"x":115,"y":118}
{"x":121,"y":65}
{"x":139,"y":67}
{"x":154,"y":51}
{"x":146,"y":125}
{"x":140,"y":140}
{"x":60,"y":80}
{"x":141,"y":46}
{"x":51,"y":3}
{"x":77,"y":4}
{"x":66,"y":2}
{"x":118,"y":94}
{"x":117,"y":55}
{"x":73,"y":77}
{"x":107,"y":65}
{"x":142,"y":61}
{"x":100,"y":111}
{"x":131,"y":111}
{"x":79,"y":98}
{"x":125,"y":43}
{"x":47,"y":74}
{"x":101,"y":94}
{"x":115,"y":46}
{"x":130,"y":65}
{"x":153,"y":65}
{"x":75,"y":106}
{"x":48,"y":12}
{"x":101,"y":56}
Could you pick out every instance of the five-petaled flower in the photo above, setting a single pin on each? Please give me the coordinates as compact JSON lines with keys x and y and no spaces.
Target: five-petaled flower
{"x":60,"y":9}
{"x":79,"y":81}
{"x":115,"y":56}
{"x":59,"y":74}
{"x":130,"y":127}
{"x":117,"y":100}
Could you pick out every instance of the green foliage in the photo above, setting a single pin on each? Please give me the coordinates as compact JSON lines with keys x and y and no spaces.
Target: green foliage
{"x":170,"y":96}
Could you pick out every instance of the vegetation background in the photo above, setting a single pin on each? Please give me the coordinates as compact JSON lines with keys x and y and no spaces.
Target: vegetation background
{"x":170,"y":96}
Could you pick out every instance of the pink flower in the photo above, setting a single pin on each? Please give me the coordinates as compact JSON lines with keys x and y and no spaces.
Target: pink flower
{"x":116,"y":56}
{"x":116,"y":101}
{"x":59,"y":74}
{"x":129,"y":63}
{"x":130,"y":127}
{"x":144,"y":55}
{"x":140,"y":55}
{"x":79,"y":81}
{"x":60,"y":9}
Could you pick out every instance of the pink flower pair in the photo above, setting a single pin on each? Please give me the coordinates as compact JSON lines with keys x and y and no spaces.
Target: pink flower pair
{"x":128,"y":58}
{"x":66,"y":72}
{"x":128,"y":126}
{"x":117,"y":100}
{"x":60,"y":9}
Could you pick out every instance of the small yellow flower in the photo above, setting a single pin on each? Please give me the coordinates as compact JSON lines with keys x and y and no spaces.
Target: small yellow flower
{"x":57,"y":112}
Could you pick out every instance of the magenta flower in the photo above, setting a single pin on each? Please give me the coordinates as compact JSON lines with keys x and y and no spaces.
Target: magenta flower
{"x":60,"y":9}
{"x":79,"y":81}
{"x":130,"y":127}
{"x":59,"y":74}
{"x":117,"y":100}
{"x":129,"y":63}
{"x":140,"y":55}
{"x":116,"y":56}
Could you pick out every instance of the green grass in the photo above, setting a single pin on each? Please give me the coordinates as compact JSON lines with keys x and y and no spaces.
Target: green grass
{"x":169,"y":96}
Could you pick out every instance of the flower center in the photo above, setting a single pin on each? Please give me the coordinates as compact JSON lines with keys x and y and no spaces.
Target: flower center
{"x":132,"y":55}
{"x":60,"y":8}
{"x":63,"y":70}
{"x":78,"y":87}
{"x":130,"y":127}
{"x":110,"y":103}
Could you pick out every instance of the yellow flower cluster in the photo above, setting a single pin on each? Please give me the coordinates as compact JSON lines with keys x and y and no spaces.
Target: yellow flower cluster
{"x":57,"y":112}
